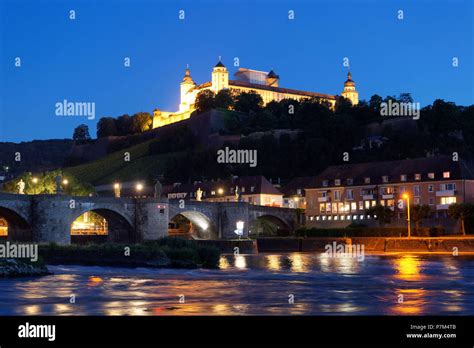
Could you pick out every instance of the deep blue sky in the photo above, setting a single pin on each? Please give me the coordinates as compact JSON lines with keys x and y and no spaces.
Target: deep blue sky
{"x":82,"y":60}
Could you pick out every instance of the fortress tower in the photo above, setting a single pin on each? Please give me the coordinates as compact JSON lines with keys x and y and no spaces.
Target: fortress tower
{"x":186,"y":85}
{"x":220,"y":77}
{"x":349,"y":91}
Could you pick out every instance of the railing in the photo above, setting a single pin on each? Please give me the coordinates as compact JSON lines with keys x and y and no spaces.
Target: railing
{"x":90,"y":231}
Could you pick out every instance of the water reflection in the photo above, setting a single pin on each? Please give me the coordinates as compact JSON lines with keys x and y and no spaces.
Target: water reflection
{"x":254,"y":284}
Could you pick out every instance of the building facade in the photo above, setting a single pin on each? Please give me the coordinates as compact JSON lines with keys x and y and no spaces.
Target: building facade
{"x":266,"y":84}
{"x":252,"y":189}
{"x":340,"y":195}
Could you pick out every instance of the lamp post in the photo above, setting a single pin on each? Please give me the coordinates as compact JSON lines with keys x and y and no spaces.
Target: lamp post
{"x":139,"y":188}
{"x":407,"y":197}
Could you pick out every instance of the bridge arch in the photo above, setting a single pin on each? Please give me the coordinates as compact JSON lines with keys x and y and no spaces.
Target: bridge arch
{"x":268,"y":225}
{"x":118,"y":229}
{"x":17,"y":227}
{"x":192,"y":224}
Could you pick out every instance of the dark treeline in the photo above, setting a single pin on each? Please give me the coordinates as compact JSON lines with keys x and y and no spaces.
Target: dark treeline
{"x":124,"y":125}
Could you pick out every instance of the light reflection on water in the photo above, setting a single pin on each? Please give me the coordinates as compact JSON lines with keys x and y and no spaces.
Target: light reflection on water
{"x":254,"y":284}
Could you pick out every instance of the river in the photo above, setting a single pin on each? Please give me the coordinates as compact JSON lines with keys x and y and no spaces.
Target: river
{"x":263,"y":284}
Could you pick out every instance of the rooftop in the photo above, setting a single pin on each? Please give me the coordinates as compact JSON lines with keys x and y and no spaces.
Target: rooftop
{"x":394,"y":170}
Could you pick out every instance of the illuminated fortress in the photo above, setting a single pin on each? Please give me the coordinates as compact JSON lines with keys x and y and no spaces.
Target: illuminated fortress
{"x":266,"y":84}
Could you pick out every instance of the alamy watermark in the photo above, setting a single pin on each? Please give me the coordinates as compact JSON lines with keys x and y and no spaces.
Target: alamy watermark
{"x":67,"y":108}
{"x":342,"y":250}
{"x":20,"y":251}
{"x":227,"y":155}
{"x":395,"y":108}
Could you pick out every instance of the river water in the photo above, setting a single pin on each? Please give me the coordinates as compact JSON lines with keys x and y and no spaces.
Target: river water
{"x":264,"y":284}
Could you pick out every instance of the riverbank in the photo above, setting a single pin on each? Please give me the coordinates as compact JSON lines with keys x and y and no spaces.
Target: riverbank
{"x":13,"y":268}
{"x":375,"y":245}
{"x":163,"y":253}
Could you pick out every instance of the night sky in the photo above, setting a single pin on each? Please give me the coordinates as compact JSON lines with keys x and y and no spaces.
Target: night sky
{"x":82,"y":59}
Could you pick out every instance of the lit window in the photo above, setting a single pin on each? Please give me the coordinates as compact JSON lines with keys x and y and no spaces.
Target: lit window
{"x":213,"y":192}
{"x":330,"y":217}
{"x":403,"y":177}
{"x":446,"y":175}
{"x":353,"y":206}
{"x":317,"y":218}
{"x":448,"y":200}
{"x":417,"y":201}
{"x":431,"y":175}
{"x":298,"y":191}
{"x":252,"y":188}
{"x":337,"y":195}
{"x":417,"y":176}
{"x":385,"y":178}
{"x":337,"y":182}
{"x":336,"y":218}
{"x":362,"y":217}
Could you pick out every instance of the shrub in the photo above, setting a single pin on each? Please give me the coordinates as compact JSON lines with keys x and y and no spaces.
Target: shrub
{"x":209,"y":256}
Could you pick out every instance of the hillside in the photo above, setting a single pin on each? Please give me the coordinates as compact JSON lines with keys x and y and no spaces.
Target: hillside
{"x":142,"y":165}
{"x":36,"y":155}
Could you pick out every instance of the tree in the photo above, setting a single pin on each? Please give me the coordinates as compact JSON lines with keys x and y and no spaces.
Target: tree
{"x":141,"y":122}
{"x":124,"y":125}
{"x":418,"y":213}
{"x":205,"y":100}
{"x":383,"y":214}
{"x":81,"y":134}
{"x":106,"y":127}
{"x":461,"y":212}
{"x":224,"y":99}
{"x":248,"y":101}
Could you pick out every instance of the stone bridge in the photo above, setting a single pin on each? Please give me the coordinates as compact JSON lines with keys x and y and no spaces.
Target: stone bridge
{"x":48,"y":218}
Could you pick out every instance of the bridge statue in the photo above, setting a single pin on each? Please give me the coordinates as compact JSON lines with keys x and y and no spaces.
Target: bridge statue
{"x":21,"y":187}
{"x":238,"y":194}
{"x":199,"y":194}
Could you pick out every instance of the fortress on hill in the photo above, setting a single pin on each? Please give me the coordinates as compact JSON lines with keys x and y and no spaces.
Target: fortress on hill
{"x":245,"y":80}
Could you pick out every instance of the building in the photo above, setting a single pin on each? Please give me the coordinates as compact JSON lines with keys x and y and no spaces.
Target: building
{"x":252,"y":189}
{"x":343,"y":193}
{"x":245,"y":80}
{"x":294,"y":194}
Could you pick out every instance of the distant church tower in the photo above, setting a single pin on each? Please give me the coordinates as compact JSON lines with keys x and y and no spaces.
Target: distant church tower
{"x":350,"y":90}
{"x":220,"y":77}
{"x":186,"y":85}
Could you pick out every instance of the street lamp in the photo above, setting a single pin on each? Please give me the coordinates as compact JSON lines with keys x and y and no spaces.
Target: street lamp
{"x":139,"y":187}
{"x":220,"y":191}
{"x":65,"y":181}
{"x":407,"y":197}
